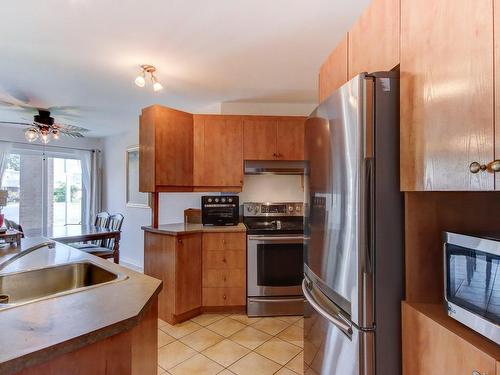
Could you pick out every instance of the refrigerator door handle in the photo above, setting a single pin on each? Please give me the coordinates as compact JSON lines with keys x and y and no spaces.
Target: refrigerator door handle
{"x":369,"y":217}
{"x":329,"y":313}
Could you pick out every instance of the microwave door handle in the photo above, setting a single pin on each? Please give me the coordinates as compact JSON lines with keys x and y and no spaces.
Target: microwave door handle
{"x":332,"y":316}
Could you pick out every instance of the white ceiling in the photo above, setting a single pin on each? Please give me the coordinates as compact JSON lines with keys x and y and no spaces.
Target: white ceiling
{"x":87,"y":53}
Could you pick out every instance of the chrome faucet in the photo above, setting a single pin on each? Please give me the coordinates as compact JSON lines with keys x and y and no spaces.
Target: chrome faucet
{"x":49,"y":244}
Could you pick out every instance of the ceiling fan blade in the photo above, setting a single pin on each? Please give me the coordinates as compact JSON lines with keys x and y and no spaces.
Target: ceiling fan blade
{"x":19,"y":106}
{"x":73,"y":134}
{"x":70,"y":128}
{"x":16,"y":123}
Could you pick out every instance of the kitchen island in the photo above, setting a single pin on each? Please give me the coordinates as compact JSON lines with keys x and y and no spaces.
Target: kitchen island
{"x":106,"y":328}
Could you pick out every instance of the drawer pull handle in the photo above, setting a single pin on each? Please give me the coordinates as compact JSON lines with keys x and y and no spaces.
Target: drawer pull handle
{"x":224,"y":260}
{"x":179,"y":241}
{"x":225,"y":279}
{"x":224,"y":296}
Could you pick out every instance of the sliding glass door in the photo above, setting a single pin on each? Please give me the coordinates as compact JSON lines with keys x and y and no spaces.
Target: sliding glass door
{"x":44,"y":189}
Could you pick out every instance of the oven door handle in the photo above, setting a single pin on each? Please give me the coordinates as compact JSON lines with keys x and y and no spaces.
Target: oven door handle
{"x":273,"y":300}
{"x":275,"y":238}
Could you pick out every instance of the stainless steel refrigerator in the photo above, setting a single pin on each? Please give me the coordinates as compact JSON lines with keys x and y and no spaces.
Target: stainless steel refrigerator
{"x":353,"y":251}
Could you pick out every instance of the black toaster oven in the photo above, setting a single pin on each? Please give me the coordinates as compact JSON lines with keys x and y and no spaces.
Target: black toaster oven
{"x":220,"y":210}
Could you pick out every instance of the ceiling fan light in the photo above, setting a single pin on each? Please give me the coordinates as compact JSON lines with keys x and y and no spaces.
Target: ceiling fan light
{"x":140,"y":81}
{"x":55,"y":135}
{"x":157,"y":86}
{"x":45,"y":138}
{"x":31,"y":134}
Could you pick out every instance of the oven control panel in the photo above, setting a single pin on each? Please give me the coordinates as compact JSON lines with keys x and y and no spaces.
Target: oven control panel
{"x":273,"y":209}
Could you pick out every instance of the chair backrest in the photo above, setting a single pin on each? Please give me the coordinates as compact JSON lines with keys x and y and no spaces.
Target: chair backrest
{"x":114,"y":223}
{"x":101,"y":219}
{"x":10,"y":224}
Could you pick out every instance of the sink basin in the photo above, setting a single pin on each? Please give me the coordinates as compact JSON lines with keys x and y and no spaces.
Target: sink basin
{"x":28,"y":286}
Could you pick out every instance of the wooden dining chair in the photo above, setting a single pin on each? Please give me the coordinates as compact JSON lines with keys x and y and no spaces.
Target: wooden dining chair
{"x":101,"y":220}
{"x":10,"y":224}
{"x":108,"y":249}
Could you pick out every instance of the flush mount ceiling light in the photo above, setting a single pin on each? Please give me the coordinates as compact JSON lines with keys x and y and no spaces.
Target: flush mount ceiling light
{"x":141,"y":78}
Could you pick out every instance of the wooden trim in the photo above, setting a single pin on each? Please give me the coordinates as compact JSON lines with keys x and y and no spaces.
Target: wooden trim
{"x":155,"y":198}
{"x":224,"y":309}
{"x":176,"y":319}
{"x":173,"y":188}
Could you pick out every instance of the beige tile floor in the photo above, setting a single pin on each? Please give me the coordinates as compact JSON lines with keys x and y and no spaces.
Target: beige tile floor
{"x":231,"y":344}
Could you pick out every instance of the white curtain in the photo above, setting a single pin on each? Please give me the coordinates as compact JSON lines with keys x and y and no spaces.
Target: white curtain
{"x":92,"y":182}
{"x":5,"y":148}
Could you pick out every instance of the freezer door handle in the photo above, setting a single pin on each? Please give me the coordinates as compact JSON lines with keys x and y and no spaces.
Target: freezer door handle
{"x":330,"y":313}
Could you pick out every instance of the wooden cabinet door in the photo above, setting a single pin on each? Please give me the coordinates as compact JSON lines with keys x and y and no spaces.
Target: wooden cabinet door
{"x":173,"y":147}
{"x":188,"y":273}
{"x":218,"y":151}
{"x":290,"y":138}
{"x":334,"y":72}
{"x":430,"y":348}
{"x":446,"y":94}
{"x":259,"y":136}
{"x":147,"y":152}
{"x":374,"y":38}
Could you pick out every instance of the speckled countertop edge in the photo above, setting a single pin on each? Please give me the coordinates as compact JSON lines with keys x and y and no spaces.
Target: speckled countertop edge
{"x":40,"y":331}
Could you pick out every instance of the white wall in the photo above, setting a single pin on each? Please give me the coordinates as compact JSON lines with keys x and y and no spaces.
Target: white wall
{"x":114,"y":197}
{"x":272,"y":188}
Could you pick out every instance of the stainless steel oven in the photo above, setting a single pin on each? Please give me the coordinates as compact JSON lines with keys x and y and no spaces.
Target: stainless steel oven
{"x":275,"y":247}
{"x":472,"y":281}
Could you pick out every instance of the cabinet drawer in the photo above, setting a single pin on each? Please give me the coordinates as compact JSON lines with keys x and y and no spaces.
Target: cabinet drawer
{"x":224,"y":241}
{"x":224,"y":296}
{"x":228,"y":259}
{"x":224,"y":278}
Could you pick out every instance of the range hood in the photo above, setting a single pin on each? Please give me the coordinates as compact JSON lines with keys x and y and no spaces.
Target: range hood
{"x":274,"y":167}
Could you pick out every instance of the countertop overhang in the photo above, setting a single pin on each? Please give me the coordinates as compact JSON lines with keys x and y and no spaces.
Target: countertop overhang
{"x":39,"y":331}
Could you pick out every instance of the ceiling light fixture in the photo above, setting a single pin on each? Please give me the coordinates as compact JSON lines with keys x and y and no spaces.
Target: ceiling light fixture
{"x":141,"y":78}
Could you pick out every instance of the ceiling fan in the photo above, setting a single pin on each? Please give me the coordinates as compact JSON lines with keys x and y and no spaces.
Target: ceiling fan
{"x":44,"y":126}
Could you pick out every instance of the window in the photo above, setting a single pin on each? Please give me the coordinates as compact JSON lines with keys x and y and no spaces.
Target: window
{"x":45,"y":189}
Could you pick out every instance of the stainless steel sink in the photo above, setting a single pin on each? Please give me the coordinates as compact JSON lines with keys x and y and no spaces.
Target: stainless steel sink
{"x":33,"y":285}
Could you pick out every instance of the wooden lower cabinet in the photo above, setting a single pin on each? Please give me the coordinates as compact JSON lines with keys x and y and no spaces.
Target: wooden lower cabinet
{"x":133,"y":352}
{"x":433,"y":343}
{"x":176,"y":260}
{"x":224,"y":269}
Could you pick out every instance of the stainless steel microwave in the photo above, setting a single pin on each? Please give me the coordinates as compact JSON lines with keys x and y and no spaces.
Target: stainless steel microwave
{"x":472,"y":281}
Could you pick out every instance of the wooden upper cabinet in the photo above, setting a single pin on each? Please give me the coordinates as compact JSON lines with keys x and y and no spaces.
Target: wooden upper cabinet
{"x":218,"y":152}
{"x":374,"y":38}
{"x":165,"y":150}
{"x":334,"y":72}
{"x":273,"y":138}
{"x":259,"y":138}
{"x":446,"y":94}
{"x":290,"y":138}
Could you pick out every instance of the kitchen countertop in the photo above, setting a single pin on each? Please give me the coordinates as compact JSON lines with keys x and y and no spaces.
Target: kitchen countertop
{"x":183,"y":228}
{"x":39,"y":331}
